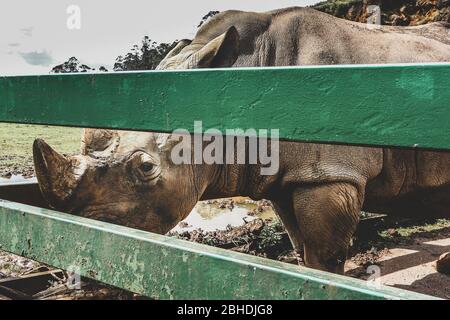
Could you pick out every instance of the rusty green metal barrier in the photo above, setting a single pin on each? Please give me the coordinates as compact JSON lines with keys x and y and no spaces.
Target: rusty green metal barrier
{"x":167,"y":268}
{"x":392,"y":105}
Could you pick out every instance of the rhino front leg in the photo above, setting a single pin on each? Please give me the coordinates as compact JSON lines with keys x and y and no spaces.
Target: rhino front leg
{"x":327,"y":218}
{"x":284,"y":210}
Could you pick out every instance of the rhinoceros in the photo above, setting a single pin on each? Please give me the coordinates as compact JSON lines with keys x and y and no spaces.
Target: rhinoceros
{"x":129,"y":178}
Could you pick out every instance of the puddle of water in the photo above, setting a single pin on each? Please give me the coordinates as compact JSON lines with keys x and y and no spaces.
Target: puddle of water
{"x":17,"y":179}
{"x":209,"y":217}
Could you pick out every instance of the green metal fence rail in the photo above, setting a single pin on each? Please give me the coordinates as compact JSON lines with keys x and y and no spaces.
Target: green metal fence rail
{"x":382,"y":105}
{"x":167,"y":268}
{"x":397,"y":105}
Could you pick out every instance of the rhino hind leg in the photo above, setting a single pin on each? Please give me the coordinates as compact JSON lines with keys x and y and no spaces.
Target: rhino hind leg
{"x":327,"y":218}
{"x":432,"y":203}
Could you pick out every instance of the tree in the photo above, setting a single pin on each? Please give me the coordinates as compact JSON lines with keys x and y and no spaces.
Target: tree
{"x":147,"y":56}
{"x":207,"y":16}
{"x":73,"y":65}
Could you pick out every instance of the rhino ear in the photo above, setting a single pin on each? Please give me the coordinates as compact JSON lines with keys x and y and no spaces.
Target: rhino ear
{"x":220,"y":52}
{"x":96,"y":140}
{"x":172,"y":53}
{"x":180,"y":46}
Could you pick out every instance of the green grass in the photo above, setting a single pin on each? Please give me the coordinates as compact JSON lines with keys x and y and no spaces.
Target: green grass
{"x":379,"y":234}
{"x":419,"y":229}
{"x":16,"y":142}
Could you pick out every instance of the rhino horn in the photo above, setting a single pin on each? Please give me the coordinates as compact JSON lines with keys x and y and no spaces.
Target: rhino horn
{"x":58,"y":176}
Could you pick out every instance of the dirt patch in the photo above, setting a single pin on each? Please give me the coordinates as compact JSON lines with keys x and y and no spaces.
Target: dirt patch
{"x":393,"y":12}
{"x":402,"y":253}
{"x":57,"y":288}
{"x":259,"y":237}
{"x":16,"y":141}
{"x":20,"y":166}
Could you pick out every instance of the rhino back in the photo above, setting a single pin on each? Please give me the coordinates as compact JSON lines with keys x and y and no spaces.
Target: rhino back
{"x":304,"y":36}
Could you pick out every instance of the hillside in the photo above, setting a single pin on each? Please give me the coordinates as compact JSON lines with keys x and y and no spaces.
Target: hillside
{"x":394,"y":12}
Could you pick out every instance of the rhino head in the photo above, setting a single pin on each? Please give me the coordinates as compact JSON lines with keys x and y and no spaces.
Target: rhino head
{"x":120,"y":176}
{"x":127,"y":177}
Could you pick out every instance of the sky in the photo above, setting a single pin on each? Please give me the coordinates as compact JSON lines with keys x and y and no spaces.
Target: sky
{"x":36,"y":35}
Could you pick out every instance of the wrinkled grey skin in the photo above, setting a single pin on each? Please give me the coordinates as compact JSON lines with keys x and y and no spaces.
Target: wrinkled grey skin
{"x":319,"y":190}
{"x":302,"y":36}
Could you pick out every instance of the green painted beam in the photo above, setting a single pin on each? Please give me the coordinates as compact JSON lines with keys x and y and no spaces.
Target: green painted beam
{"x":392,"y":105}
{"x":167,"y":268}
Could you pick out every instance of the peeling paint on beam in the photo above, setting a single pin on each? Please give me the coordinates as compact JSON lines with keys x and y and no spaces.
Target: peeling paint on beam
{"x":167,"y":268}
{"x":390,"y":105}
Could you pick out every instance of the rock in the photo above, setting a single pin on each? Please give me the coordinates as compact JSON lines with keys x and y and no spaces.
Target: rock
{"x":292,"y":257}
{"x":255,"y":226}
{"x":6,"y":175}
{"x":400,"y":20}
{"x":393,"y":232}
{"x":224,"y":204}
{"x":252,"y":213}
{"x":443,"y":263}
{"x":184,"y":224}
{"x":393,"y":12}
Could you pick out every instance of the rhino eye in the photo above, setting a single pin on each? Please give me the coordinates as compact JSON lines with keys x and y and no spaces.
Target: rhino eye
{"x":146,"y":167}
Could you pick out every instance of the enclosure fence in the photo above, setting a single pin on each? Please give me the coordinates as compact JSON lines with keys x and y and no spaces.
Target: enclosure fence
{"x":378,"y":105}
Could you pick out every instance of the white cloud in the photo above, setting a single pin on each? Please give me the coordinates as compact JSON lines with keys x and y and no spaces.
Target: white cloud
{"x":36,"y":58}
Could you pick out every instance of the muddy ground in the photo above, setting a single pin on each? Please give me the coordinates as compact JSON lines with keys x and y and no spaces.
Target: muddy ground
{"x":402,"y":252}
